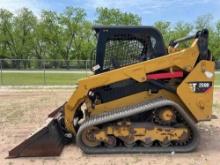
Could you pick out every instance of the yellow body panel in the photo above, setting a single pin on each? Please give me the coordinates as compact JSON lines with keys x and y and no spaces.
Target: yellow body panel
{"x":200,"y":104}
{"x":184,"y":59}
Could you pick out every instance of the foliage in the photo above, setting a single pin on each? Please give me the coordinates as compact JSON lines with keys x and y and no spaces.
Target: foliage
{"x":68,"y":35}
{"x":181,"y":29}
{"x":116,"y":17}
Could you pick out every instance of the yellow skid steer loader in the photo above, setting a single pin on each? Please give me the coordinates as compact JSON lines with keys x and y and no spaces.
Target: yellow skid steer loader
{"x":142,"y":97}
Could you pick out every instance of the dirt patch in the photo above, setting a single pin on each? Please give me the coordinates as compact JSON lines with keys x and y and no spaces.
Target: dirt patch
{"x":23,"y":111}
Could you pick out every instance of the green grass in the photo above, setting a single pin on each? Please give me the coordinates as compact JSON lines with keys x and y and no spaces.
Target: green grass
{"x":12,"y":78}
{"x":217,"y":79}
{"x":38,"y":78}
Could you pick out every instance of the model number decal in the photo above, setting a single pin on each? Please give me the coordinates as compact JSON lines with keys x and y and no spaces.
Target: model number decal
{"x":204,"y":85}
{"x":200,"y":87}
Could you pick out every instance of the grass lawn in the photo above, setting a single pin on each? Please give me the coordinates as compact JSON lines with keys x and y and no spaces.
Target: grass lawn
{"x":38,"y":78}
{"x":217,"y":79}
{"x":59,"y":78}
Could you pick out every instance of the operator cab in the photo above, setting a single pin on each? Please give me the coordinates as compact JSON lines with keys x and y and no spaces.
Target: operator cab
{"x":120,"y":46}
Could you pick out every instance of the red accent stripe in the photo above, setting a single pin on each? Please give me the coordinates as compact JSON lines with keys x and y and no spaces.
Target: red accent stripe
{"x":207,"y":90}
{"x":167,"y":75}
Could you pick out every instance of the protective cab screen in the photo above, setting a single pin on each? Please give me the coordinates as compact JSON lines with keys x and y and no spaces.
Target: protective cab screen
{"x":125,"y":50}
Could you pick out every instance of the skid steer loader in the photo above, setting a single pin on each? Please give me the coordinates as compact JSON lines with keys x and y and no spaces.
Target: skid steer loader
{"x":142,"y":97}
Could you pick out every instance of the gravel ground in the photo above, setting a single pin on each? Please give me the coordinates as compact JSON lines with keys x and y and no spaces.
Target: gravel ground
{"x":23,"y":111}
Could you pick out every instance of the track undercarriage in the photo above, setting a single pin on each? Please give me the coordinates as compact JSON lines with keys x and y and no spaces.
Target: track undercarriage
{"x":158,"y":125}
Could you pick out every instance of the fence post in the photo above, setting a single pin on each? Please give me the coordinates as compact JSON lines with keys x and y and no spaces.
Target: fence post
{"x":1,"y":72}
{"x":86,"y":69}
{"x":44,"y":73}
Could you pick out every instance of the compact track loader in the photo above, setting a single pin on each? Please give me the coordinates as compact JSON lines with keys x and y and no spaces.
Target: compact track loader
{"x":142,"y":97}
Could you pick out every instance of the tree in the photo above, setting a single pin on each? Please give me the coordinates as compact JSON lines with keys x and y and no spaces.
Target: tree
{"x":73,"y":22}
{"x":24,"y":25}
{"x":116,"y":17}
{"x":165,"y":28}
{"x":214,"y":41}
{"x":39,"y":47}
{"x":203,"y":21}
{"x":6,"y":20}
{"x":17,"y":34}
{"x":68,"y":35}
{"x":180,"y":30}
{"x":85,"y":41}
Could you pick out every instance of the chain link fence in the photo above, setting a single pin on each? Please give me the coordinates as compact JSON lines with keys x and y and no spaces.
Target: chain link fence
{"x":217,"y":65}
{"x":46,"y":72}
{"x":43,"y":72}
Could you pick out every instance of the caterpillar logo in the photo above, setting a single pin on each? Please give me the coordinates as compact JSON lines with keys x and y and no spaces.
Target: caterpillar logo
{"x":200,"y":87}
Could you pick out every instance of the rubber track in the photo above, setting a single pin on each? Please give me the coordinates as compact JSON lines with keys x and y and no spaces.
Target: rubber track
{"x":124,"y":112}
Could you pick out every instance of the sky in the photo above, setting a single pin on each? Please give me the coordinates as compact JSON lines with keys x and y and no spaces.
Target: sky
{"x":150,"y":10}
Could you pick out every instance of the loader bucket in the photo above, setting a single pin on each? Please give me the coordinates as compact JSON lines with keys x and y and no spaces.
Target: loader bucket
{"x":48,"y":141}
{"x":56,"y":111}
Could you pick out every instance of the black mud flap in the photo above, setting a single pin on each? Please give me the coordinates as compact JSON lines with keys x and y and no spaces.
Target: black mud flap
{"x":48,"y":141}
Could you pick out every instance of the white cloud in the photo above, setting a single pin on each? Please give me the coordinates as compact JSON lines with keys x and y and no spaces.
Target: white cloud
{"x":15,"y":5}
{"x":140,"y":7}
{"x":143,"y":6}
{"x":136,"y":6}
